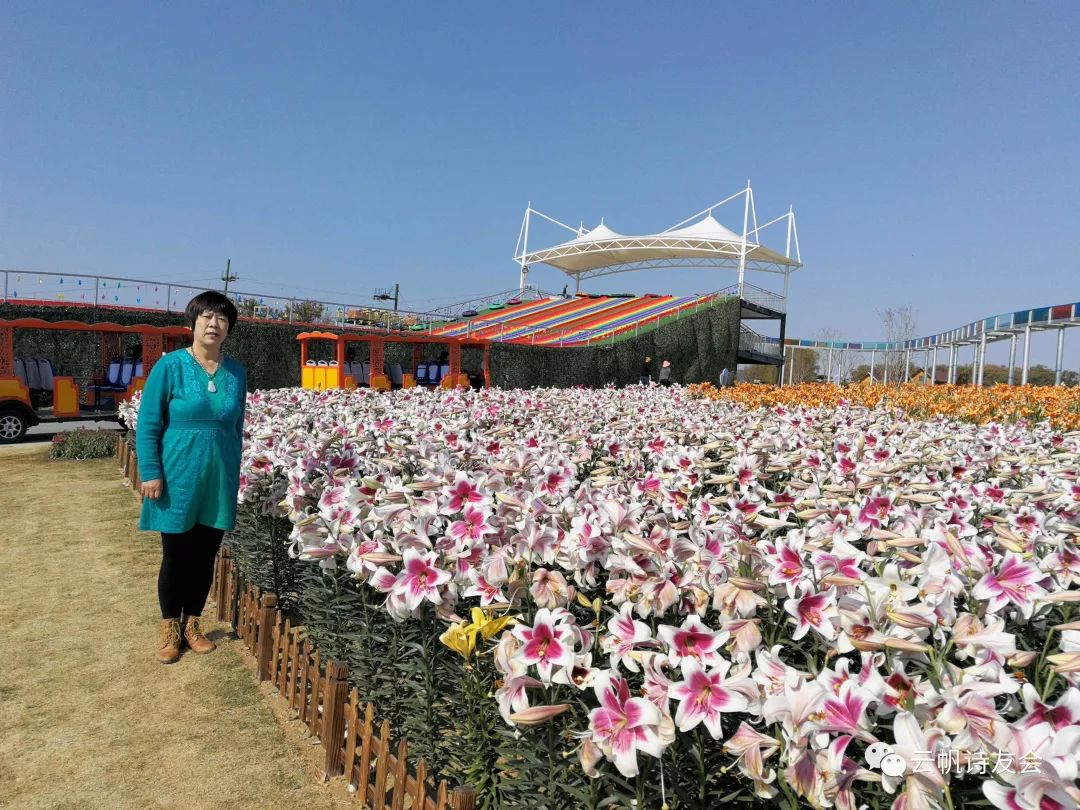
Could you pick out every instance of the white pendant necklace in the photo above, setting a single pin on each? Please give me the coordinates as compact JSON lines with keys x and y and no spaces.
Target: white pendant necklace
{"x":210,"y":385}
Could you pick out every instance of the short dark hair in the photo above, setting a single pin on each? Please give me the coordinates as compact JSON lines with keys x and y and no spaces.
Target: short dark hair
{"x":210,"y":301}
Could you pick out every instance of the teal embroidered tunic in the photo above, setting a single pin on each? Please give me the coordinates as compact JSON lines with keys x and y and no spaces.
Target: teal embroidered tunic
{"x":191,"y":439}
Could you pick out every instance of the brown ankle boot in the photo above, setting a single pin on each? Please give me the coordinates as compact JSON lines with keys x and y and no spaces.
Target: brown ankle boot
{"x":194,"y":637}
{"x":170,"y":641}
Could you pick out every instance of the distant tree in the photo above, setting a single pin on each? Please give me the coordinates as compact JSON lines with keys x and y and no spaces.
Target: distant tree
{"x":994,"y":374}
{"x":305,"y":311}
{"x":245,"y":307}
{"x":898,"y":324}
{"x":839,"y":367}
{"x":802,"y":365}
{"x":1040,"y":375}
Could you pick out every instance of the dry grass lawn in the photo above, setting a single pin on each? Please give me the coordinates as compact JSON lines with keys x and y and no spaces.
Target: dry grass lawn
{"x":88,"y":718}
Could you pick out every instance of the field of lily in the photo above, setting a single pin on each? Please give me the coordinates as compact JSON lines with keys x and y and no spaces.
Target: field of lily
{"x":583,"y":598}
{"x":966,"y":403}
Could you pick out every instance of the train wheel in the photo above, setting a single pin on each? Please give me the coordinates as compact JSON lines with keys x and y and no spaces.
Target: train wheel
{"x":12,"y":426}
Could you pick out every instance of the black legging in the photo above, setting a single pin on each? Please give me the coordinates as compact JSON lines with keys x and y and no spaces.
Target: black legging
{"x":187,"y":567}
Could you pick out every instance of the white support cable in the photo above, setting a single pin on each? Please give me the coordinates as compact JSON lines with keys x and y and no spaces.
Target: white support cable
{"x":706,"y":210}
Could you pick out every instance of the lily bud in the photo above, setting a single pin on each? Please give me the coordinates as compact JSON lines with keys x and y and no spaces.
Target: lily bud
{"x":840,"y":579}
{"x":380,"y":557}
{"x":1064,"y":663}
{"x":538,"y":715}
{"x":1022,"y":658}
{"x":903,"y":542}
{"x":953,"y":544}
{"x":1061,"y":596}
{"x":906,"y":646}
{"x":883,"y":534}
{"x":866,"y":645}
{"x":745,"y":584}
{"x":911,"y":619}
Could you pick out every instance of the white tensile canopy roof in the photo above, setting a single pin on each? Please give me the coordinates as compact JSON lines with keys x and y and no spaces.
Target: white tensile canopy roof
{"x":700,"y":241}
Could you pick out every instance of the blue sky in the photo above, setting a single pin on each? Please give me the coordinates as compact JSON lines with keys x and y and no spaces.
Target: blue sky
{"x":929,"y":149}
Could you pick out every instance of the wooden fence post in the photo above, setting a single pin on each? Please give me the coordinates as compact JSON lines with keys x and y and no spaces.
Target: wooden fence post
{"x":234,"y":597}
{"x":281,"y":656}
{"x":266,"y":635}
{"x":367,"y":731}
{"x":464,"y":798}
{"x":401,"y":776}
{"x":221,"y":584}
{"x":332,"y":732}
{"x":382,"y":762}
{"x":316,"y":681}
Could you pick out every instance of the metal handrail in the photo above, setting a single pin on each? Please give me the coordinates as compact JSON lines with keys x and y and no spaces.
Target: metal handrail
{"x":751,"y":341}
{"x":764,"y":298}
{"x":133,"y":293}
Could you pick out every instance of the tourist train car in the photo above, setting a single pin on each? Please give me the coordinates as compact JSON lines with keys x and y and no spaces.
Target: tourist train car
{"x":343,"y":372}
{"x":32,"y":393}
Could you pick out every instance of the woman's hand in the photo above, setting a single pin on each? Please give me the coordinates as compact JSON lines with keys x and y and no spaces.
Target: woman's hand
{"x":151,"y":489}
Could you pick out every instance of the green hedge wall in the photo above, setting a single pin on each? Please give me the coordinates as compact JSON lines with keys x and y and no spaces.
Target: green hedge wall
{"x":269,"y":351}
{"x":699,"y":347}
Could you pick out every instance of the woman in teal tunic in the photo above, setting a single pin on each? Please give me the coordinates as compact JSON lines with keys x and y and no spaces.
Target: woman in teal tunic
{"x":189,"y":438}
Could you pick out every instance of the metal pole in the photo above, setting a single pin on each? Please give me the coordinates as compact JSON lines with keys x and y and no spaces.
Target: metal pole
{"x":933,"y":369}
{"x":5,"y":287}
{"x":907,"y":365}
{"x":742,"y":253}
{"x":982,"y":358}
{"x":1027,"y":353}
{"x":828,"y":370}
{"x":1060,"y":353}
{"x":885,"y":377}
{"x":1012,"y":356}
{"x":951,"y":377}
{"x":873,"y":362}
{"x":525,"y":251}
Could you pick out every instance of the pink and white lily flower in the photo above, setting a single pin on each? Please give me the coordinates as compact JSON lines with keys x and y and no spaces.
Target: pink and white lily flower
{"x":419,"y":579}
{"x":692,"y":639}
{"x":549,"y":643}
{"x":1016,"y":581}
{"x":624,"y":725}
{"x":624,"y":634}
{"x":703,"y":697}
{"x":462,"y":493}
{"x":814,"y":611}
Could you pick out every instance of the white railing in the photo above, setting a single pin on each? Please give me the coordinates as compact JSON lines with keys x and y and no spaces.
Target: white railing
{"x":140,"y":294}
{"x":751,"y":341}
{"x":764,"y":298}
